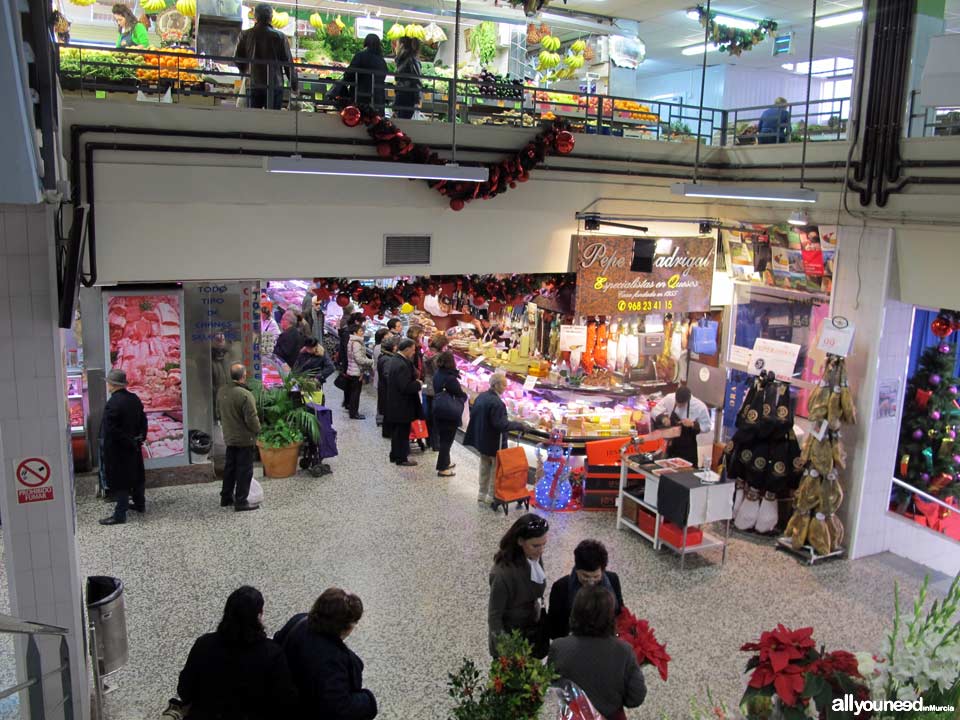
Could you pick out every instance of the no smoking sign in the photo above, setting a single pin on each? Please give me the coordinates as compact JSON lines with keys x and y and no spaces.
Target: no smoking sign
{"x":33,"y":480}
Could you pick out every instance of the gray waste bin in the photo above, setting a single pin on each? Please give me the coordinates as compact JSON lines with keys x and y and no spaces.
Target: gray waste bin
{"x":109,"y":617}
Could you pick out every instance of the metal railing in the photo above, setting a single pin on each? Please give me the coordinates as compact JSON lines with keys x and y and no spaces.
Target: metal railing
{"x":205,"y":79}
{"x":34,"y":684}
{"x":931,"y":122}
{"x":916,"y":492}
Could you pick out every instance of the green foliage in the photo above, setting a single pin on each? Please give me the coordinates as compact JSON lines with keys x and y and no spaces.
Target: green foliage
{"x":735,"y":41}
{"x":515,"y":688}
{"x":283,"y":417}
{"x":101,"y":64}
{"x":932,"y":454}
{"x":483,"y":42}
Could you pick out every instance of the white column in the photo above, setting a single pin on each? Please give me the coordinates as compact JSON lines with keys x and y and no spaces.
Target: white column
{"x":39,"y":537}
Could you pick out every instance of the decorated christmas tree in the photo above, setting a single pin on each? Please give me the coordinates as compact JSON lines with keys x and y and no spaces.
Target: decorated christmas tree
{"x":929,"y":452}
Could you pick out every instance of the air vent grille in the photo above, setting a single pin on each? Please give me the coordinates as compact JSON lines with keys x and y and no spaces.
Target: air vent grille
{"x":406,"y":250}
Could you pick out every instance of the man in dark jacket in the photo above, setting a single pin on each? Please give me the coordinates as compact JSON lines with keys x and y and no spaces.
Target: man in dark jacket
{"x":262,"y":42}
{"x":402,"y":405}
{"x":288,"y":345}
{"x":589,"y":568}
{"x":241,"y":425}
{"x":488,"y":423}
{"x":313,"y":361}
{"x":364,"y":80}
{"x":123,"y":431}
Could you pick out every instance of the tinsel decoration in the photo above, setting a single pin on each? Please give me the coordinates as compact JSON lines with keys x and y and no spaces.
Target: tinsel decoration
{"x":735,"y":41}
{"x":393,"y":144}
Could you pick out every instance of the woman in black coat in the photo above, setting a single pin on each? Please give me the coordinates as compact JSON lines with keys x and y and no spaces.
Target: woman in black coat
{"x":364,"y":80}
{"x":408,"y":78}
{"x":589,"y":568}
{"x":327,"y":674}
{"x":388,"y":349}
{"x":446,"y":382}
{"x":403,"y":404}
{"x":313,"y":361}
{"x":237,"y":673}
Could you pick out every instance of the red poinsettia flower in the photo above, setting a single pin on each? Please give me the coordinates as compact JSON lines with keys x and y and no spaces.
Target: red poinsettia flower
{"x":498,"y":683}
{"x":788,"y":683}
{"x":782,"y":646}
{"x":644,"y":643}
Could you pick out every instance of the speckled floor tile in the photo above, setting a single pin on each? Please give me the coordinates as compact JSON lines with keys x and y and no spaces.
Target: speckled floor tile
{"x":417,"y":549}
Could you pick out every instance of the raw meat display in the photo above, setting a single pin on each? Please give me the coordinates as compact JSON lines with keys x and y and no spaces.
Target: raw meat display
{"x":76,"y":413}
{"x":145,"y":343}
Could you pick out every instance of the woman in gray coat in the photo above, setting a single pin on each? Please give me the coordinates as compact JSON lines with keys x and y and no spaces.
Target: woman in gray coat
{"x":604,"y":666}
{"x":518,"y":583}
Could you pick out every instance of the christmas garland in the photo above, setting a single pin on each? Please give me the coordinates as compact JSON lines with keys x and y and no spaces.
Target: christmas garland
{"x":478,"y":288}
{"x":394,"y":144}
{"x":733,"y":40}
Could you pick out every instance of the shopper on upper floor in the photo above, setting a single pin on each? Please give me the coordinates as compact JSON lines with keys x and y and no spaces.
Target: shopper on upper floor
{"x":604,"y":666}
{"x":388,"y":349}
{"x":408,"y":79}
{"x":485,"y":432}
{"x":518,"y":583}
{"x":291,"y":339}
{"x":446,"y":386}
{"x":774,"y":126}
{"x":270,"y":47}
{"x":402,"y":402}
{"x":364,"y":80}
{"x":690,"y":414}
{"x":438,"y":343}
{"x":132,"y":32}
{"x":123,"y":431}
{"x":313,"y":361}
{"x":589,"y":568}
{"x":328,"y":675}
{"x":237,"y":672}
{"x":358,"y":365}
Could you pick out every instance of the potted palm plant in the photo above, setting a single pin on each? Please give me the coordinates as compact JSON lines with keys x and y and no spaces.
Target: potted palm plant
{"x":285,"y":423}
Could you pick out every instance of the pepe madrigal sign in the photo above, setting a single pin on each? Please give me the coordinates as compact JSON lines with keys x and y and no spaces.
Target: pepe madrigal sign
{"x":680,"y":281}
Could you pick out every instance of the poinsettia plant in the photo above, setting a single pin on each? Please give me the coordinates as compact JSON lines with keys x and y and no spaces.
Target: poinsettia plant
{"x":793,"y":680}
{"x":639,"y":635}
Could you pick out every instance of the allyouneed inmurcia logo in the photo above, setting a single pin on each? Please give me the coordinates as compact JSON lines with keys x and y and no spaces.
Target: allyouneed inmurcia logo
{"x":849,"y":704}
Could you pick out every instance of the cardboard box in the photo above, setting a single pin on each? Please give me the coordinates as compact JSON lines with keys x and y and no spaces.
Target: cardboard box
{"x":668,"y":531}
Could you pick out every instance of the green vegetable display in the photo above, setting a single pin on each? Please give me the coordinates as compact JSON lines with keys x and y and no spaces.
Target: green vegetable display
{"x":483,"y":42}
{"x":100,"y":64}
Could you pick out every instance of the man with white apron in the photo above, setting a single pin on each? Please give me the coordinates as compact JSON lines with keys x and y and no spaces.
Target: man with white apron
{"x":691,"y":415}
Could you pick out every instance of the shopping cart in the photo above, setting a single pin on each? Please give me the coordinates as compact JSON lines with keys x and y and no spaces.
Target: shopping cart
{"x":313,"y":454}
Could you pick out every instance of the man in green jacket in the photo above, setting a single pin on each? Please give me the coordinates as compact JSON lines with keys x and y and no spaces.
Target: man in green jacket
{"x":238,"y":418}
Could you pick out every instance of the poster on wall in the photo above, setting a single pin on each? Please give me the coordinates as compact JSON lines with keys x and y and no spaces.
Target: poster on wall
{"x":680,"y":281}
{"x":787,"y":256}
{"x":144,"y":335}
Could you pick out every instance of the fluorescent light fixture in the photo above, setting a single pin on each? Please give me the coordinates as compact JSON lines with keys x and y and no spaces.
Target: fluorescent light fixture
{"x":740,"y":192}
{"x":728,"y":20}
{"x":854,"y":16}
{"x":697,"y":49}
{"x":372,"y":168}
{"x":799,"y":217}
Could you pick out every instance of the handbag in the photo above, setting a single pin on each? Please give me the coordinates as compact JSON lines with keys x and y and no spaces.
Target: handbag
{"x":703,"y":337}
{"x":418,"y":430}
{"x":340,"y":382}
{"x":447,"y":408}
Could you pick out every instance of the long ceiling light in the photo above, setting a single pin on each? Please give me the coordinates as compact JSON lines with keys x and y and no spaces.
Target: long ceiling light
{"x":296,"y":165}
{"x":698,"y":49}
{"x":728,"y":20}
{"x":738,"y":192}
{"x":846,"y":18}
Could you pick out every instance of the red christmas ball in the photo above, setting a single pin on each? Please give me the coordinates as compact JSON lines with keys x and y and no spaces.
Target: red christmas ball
{"x":384,"y":150}
{"x":565,"y":142}
{"x":351,"y":116}
{"x":343,"y":299}
{"x":457,"y":204}
{"x":941,"y":327}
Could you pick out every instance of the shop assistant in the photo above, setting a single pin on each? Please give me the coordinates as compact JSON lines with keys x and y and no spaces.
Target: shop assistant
{"x":691,"y":415}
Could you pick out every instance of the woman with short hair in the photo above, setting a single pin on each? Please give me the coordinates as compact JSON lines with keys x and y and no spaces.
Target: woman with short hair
{"x":446,"y":382}
{"x":589,"y":568}
{"x":438,"y":343}
{"x":517,"y":584}
{"x":601,"y":664}
{"x":328,"y":674}
{"x":237,"y":672}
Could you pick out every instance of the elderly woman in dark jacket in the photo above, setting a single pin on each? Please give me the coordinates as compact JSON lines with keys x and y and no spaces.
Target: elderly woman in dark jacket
{"x":328,"y":674}
{"x":313,"y":361}
{"x":446,"y":385}
{"x":518,"y":583}
{"x":589,"y":568}
{"x":388,"y":350}
{"x":237,"y":672}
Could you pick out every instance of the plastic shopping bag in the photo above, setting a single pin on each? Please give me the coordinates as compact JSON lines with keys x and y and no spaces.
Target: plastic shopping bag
{"x":255,"y":496}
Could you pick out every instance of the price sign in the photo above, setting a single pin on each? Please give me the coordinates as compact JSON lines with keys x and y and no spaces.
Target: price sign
{"x":572,"y":336}
{"x":836,"y":337}
{"x":477,"y":360}
{"x":773,"y":356}
{"x":530,"y":382}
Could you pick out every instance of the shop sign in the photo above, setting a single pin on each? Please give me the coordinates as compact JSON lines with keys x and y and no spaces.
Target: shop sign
{"x":680,"y":281}
{"x":33,"y":480}
{"x":773,"y":356}
{"x":572,"y":336}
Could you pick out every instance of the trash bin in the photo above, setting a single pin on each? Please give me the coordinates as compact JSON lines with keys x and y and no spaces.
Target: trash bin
{"x":109,"y":617}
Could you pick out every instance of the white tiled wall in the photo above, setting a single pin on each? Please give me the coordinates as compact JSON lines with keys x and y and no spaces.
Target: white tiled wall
{"x":39,"y":538}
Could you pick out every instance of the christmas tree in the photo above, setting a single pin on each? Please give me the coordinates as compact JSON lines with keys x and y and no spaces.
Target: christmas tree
{"x":929,"y":454}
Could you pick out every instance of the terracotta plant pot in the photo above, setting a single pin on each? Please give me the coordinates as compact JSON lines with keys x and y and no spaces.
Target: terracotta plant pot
{"x":279,"y":462}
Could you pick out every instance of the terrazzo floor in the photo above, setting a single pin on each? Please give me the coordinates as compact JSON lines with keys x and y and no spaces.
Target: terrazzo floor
{"x":417,"y":549}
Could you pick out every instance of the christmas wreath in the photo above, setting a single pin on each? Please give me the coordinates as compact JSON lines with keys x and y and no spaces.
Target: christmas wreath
{"x":733,"y":40}
{"x":394,"y":144}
